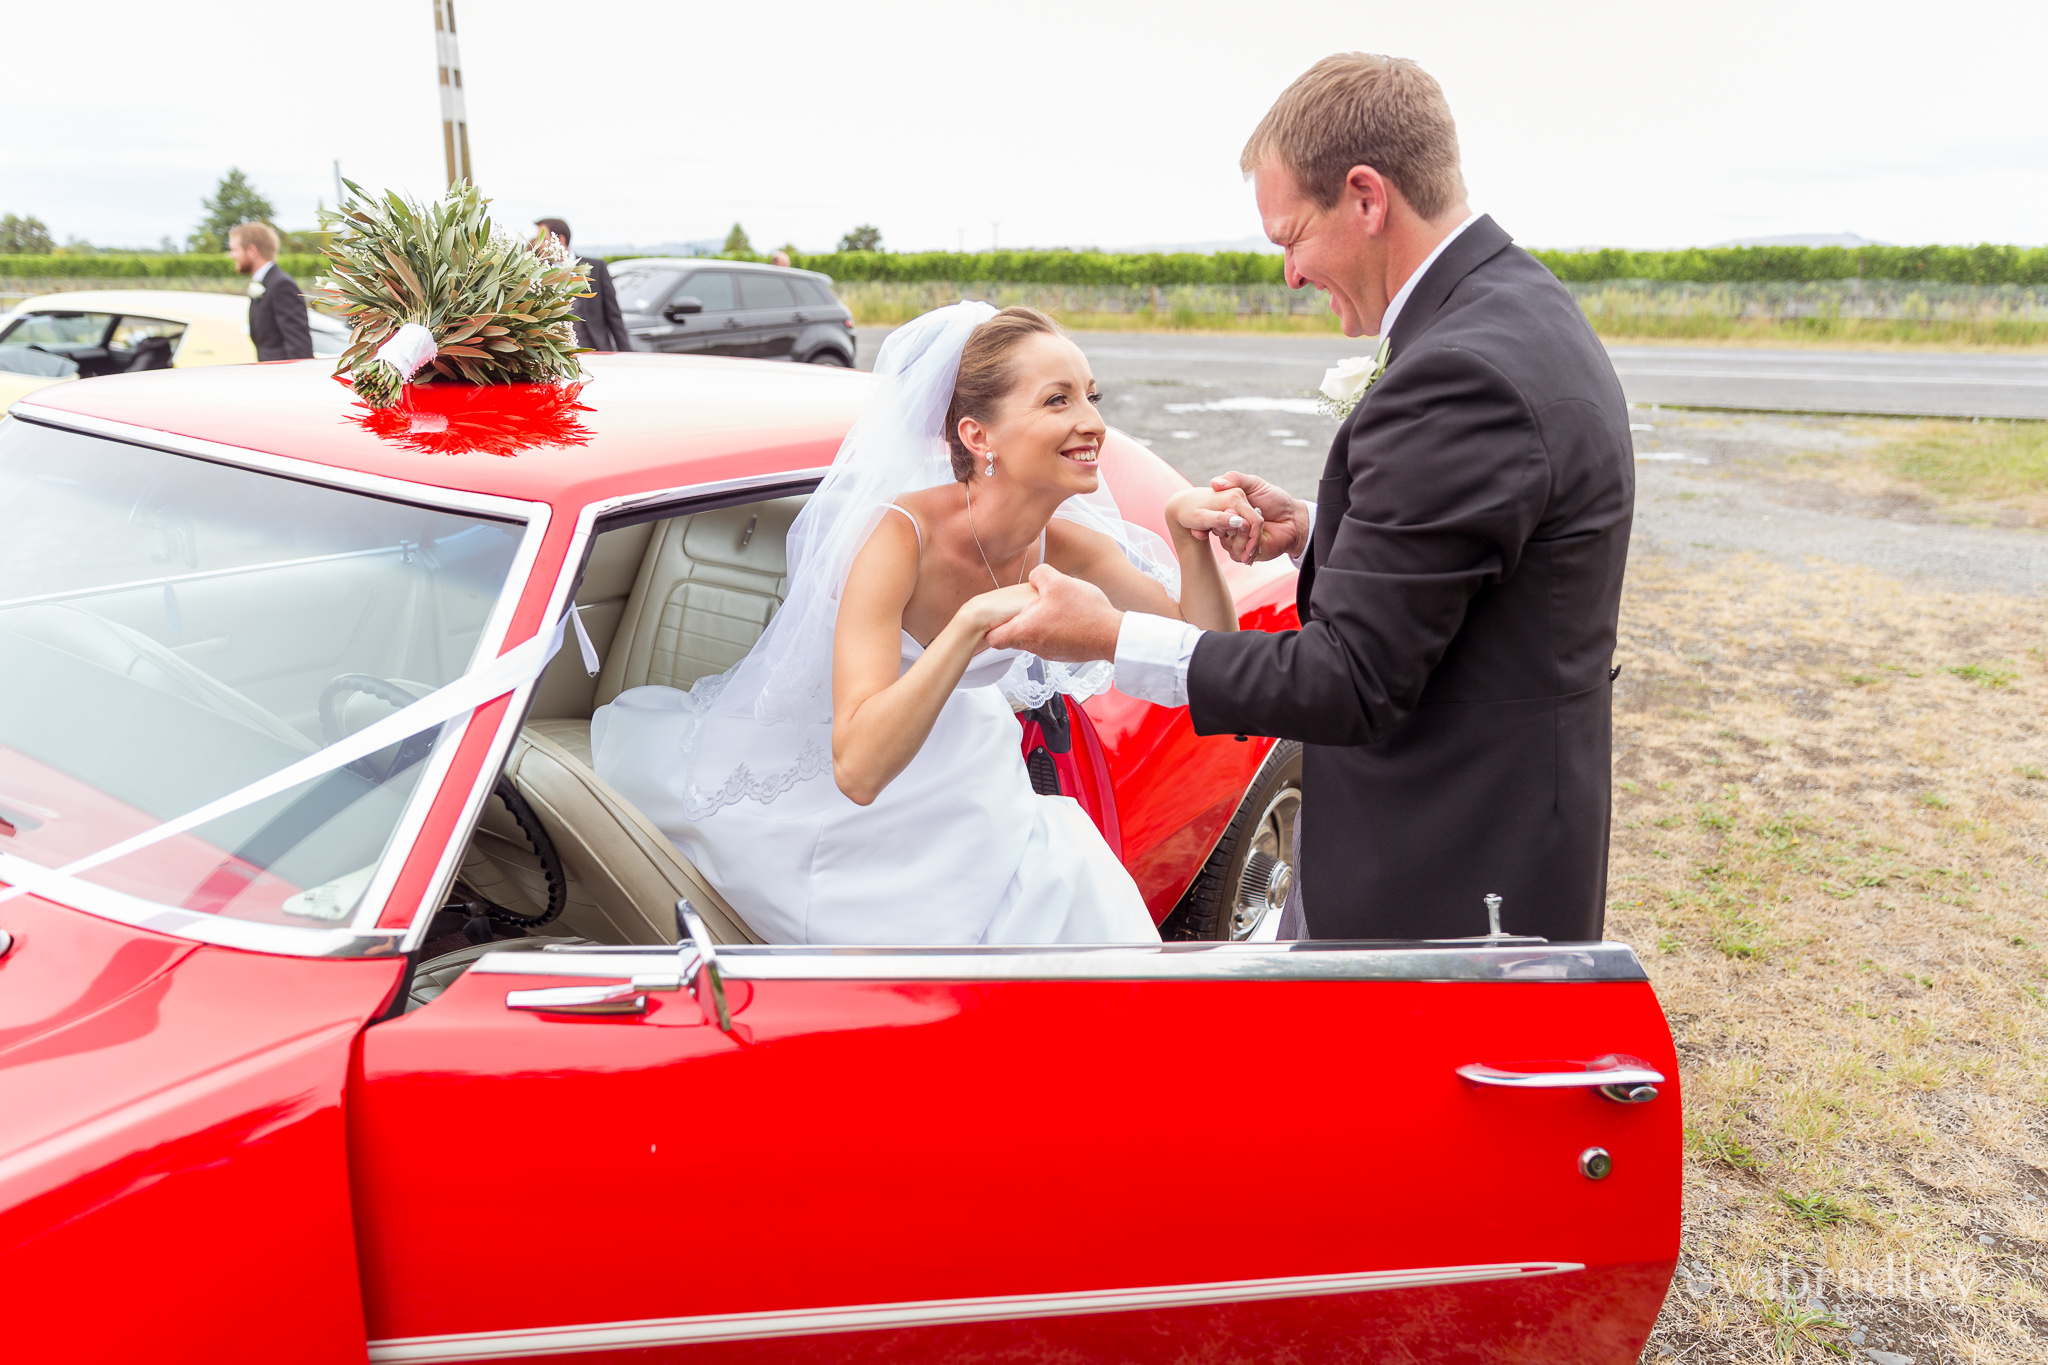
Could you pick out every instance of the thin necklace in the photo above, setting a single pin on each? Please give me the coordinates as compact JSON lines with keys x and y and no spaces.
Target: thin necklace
{"x":984,"y":553}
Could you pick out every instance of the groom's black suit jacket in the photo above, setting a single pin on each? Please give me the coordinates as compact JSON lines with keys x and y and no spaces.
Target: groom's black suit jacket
{"x":277,"y":320}
{"x":1451,"y":677}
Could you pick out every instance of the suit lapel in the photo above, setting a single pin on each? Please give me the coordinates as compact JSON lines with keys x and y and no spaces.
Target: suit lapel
{"x":1474,"y":247}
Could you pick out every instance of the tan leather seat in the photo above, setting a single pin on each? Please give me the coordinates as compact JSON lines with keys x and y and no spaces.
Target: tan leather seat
{"x":708,"y":585}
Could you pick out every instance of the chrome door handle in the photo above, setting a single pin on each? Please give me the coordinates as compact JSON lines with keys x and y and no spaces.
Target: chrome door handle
{"x":798,"y":317}
{"x":732,"y":322}
{"x":625,"y":998}
{"x":1623,"y":1079}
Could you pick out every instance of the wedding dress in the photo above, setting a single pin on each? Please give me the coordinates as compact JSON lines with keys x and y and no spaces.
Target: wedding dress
{"x":958,"y":848}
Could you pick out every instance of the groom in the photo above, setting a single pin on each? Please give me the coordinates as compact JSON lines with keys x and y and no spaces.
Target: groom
{"x":1461,"y":567}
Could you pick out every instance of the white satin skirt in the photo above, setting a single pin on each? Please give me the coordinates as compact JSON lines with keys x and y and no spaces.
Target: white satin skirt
{"x":958,"y":849}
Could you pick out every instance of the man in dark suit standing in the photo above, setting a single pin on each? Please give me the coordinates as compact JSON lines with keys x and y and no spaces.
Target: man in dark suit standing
{"x":599,"y":324}
{"x":1461,"y":568}
{"x":277,"y":310}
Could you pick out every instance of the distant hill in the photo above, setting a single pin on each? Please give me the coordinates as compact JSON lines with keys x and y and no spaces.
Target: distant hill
{"x":1805,"y":239}
{"x":1205,"y":248}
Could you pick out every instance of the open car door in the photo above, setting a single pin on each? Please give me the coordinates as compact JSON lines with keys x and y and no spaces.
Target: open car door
{"x":1239,"y":1151}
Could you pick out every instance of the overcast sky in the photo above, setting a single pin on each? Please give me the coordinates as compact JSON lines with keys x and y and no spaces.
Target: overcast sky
{"x":1102,"y":122}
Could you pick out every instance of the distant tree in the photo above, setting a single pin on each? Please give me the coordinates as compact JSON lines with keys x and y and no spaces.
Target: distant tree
{"x":310,"y":243}
{"x":25,"y":235}
{"x":866,"y":237}
{"x":234,"y":201}
{"x":736,"y":243}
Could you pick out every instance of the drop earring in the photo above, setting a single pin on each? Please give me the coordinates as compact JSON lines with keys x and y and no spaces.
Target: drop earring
{"x":990,"y":472}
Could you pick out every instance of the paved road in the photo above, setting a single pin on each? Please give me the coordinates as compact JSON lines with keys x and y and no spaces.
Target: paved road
{"x":1898,"y":383}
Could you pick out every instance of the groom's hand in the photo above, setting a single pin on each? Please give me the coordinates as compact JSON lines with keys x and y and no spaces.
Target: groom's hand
{"x":1072,"y":621}
{"x":1286,"y":516}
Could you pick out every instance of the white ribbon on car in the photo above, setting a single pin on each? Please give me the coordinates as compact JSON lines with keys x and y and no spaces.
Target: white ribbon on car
{"x":410,"y":347}
{"x":509,"y":671}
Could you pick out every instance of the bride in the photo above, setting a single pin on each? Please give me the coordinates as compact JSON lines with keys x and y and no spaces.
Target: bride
{"x":973,"y":462}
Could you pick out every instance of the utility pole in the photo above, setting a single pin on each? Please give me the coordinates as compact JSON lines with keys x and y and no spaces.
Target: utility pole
{"x":454,"y":121}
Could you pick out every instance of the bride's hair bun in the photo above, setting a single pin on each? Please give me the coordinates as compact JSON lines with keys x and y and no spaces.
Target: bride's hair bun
{"x":986,"y":375}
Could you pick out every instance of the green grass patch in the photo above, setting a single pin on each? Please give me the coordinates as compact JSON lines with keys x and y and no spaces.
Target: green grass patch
{"x":1817,"y":1209}
{"x":1974,"y":460}
{"x":1982,"y":676}
{"x":1722,"y":1148}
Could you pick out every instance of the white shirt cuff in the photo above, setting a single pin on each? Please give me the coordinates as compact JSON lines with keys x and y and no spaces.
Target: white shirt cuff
{"x":1296,"y":559}
{"x":1152,"y":654}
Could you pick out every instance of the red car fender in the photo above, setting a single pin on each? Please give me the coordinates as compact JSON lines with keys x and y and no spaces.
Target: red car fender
{"x":173,"y":1161}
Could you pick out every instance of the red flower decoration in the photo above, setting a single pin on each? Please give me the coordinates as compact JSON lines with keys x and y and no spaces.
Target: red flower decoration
{"x":479,"y":419}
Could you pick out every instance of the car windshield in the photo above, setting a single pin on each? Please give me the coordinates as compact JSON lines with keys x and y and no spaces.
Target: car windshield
{"x":643,"y":291}
{"x":172,"y":630}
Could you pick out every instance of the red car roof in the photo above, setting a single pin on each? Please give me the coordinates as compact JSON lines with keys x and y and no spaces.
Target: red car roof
{"x":638,"y":423}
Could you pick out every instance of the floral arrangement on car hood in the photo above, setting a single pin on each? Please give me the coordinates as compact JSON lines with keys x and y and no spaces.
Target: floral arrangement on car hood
{"x":438,"y":288}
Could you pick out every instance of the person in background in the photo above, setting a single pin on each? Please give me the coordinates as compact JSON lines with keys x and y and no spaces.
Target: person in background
{"x":277,"y":310}
{"x":780,"y":258}
{"x":599,"y":324}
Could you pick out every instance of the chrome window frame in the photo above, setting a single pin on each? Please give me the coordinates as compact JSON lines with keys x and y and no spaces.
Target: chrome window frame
{"x":558,"y":597}
{"x":360,"y":937}
{"x":1525,"y":962}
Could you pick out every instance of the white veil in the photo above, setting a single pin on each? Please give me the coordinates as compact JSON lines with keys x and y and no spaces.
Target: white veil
{"x":763,"y":727}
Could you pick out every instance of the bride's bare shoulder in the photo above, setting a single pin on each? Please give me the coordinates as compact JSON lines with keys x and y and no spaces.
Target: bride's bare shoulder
{"x":929,"y":505}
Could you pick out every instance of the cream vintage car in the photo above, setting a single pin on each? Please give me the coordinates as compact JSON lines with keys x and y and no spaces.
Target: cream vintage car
{"x":50,"y":338}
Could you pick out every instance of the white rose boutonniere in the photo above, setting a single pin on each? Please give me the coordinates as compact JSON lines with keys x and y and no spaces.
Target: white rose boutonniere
{"x":255,"y":289}
{"x":1347,"y":382}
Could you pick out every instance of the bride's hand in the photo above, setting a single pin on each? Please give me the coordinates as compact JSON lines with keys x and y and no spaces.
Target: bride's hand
{"x":984,"y":613}
{"x":1225,"y":513}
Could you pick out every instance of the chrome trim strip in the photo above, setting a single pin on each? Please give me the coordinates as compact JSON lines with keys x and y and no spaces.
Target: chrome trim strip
{"x":629,"y":501}
{"x":306,"y":471}
{"x":224,"y":930}
{"x":1308,"y":961}
{"x":362,"y":938}
{"x":715,"y":1327}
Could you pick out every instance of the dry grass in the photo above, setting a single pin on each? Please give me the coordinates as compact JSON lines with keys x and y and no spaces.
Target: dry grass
{"x":1994,"y":472}
{"x":1829,"y":848}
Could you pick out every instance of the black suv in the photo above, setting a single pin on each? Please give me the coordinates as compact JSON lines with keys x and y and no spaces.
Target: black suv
{"x":733,"y":308}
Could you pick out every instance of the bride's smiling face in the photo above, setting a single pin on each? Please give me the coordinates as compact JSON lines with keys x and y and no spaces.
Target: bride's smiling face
{"x":1047,"y":432}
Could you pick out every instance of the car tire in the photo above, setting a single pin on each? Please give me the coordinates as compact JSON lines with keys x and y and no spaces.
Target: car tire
{"x":828,"y":356}
{"x":1246,"y":878}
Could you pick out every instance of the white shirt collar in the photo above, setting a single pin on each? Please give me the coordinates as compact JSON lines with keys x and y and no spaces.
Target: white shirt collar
{"x":1408,"y":285}
{"x":269,"y":266}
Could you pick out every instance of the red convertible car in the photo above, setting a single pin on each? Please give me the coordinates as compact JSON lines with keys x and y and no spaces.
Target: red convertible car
{"x":346,"y":1014}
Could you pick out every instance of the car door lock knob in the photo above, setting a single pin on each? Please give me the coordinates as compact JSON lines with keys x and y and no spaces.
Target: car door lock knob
{"x":1595,"y":1163}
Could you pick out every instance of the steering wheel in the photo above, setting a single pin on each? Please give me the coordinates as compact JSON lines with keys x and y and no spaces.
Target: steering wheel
{"x":412,"y":750}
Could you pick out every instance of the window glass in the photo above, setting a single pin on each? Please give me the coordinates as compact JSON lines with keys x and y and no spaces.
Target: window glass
{"x":767,"y":291}
{"x":45,"y":344}
{"x":145,"y":343}
{"x":172,"y":630}
{"x":643,"y":291}
{"x":810,"y":292}
{"x":714,"y":287}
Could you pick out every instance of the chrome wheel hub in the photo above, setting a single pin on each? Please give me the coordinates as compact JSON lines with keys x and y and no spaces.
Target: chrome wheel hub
{"x":1268,"y":868}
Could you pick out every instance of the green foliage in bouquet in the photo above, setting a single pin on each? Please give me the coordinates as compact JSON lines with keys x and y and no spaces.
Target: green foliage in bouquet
{"x":499,"y":309}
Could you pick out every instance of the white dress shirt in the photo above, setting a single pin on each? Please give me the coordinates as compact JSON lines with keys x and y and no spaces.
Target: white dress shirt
{"x":1152,"y":652}
{"x":263,"y":270}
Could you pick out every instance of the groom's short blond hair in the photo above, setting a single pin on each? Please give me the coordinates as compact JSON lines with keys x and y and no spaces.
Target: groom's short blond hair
{"x":1362,"y":109}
